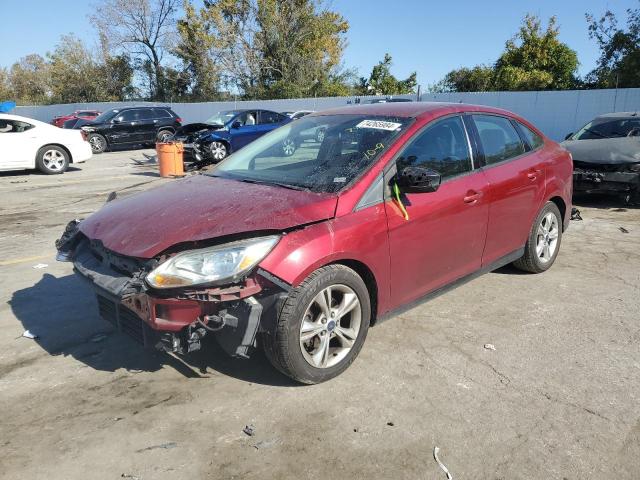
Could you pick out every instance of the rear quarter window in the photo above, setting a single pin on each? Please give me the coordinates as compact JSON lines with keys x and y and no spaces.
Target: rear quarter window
{"x":533,"y":139}
{"x":161,"y":113}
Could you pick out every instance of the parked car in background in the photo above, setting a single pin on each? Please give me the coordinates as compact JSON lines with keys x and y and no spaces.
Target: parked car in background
{"x":75,"y":123}
{"x":390,"y":100}
{"x":606,"y":156}
{"x":300,"y":254}
{"x":84,"y":114}
{"x":129,"y":126}
{"x":229,"y":131}
{"x":26,"y":143}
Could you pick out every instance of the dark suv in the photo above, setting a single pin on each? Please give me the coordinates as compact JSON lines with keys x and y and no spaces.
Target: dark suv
{"x":131,"y":126}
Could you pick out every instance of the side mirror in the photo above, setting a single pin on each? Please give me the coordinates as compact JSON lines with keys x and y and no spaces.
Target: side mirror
{"x":236,"y":124}
{"x":418,"y":180}
{"x":117,"y":120}
{"x":568,"y":136}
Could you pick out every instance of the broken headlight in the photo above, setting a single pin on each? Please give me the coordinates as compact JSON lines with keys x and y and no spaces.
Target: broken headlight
{"x":213,"y":264}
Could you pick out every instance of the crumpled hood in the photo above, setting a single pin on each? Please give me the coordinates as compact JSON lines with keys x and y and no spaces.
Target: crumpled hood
{"x":201,"y":208}
{"x":610,"y":151}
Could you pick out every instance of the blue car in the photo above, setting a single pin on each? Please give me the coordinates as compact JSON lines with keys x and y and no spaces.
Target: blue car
{"x":228,"y":131}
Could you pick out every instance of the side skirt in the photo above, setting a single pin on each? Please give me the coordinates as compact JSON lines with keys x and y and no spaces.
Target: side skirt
{"x":501,"y":262}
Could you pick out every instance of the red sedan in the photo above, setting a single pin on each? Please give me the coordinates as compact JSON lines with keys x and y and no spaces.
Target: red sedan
{"x":82,"y":114}
{"x":301,"y":254}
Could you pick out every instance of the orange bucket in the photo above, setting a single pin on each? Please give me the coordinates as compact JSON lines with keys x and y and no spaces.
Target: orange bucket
{"x":170,"y":159}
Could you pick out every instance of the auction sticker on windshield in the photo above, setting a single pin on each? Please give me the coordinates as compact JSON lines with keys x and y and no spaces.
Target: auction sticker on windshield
{"x":379,"y":125}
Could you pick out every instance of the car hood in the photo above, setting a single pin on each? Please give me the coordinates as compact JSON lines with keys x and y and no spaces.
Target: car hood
{"x":201,"y":208}
{"x":612,"y":151}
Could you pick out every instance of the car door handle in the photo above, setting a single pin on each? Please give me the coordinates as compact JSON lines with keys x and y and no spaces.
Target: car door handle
{"x":533,"y":174}
{"x":472,"y":196}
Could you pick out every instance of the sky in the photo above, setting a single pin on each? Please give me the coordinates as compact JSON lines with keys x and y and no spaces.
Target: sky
{"x":429,"y":37}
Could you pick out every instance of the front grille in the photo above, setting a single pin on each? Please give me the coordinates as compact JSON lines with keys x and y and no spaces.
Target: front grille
{"x":125,"y":320}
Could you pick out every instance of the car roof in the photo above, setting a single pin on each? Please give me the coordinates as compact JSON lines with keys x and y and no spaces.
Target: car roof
{"x":617,"y":115}
{"x":411,"y":109}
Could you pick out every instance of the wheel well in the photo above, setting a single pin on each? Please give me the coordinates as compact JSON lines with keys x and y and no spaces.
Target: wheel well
{"x":561,"y":206}
{"x":170,"y":129}
{"x":56,"y":145}
{"x":370,"y":281}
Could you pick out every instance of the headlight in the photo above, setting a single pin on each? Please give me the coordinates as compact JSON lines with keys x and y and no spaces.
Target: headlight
{"x":214,"y":264}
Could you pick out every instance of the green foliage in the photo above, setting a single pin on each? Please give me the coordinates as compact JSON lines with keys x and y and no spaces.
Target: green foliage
{"x":477,"y":79}
{"x":29,"y":79}
{"x":264,"y":48}
{"x":534,"y":59}
{"x":382,"y":82}
{"x":619,"y":62}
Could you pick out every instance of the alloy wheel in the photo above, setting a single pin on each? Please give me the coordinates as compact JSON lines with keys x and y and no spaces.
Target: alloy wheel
{"x":53,"y":160}
{"x":165,"y":137}
{"x":288,"y":147}
{"x":218,"y":150}
{"x":330,"y":326}
{"x":96,"y":144}
{"x":547,"y":237}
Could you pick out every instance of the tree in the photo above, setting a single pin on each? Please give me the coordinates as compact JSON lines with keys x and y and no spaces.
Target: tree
{"x":144,"y":28}
{"x":195,"y":49}
{"x":382,"y":82}
{"x":477,"y":79}
{"x":265,"y":48}
{"x":536,"y":60}
{"x":619,"y":62}
{"x":72,"y":72}
{"x":6,"y":92}
{"x":29,"y":79}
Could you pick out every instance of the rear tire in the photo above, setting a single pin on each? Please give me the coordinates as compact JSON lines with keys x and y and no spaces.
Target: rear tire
{"x":544,"y":240}
{"x":52,"y":160}
{"x":98,"y":142}
{"x":297,"y":349}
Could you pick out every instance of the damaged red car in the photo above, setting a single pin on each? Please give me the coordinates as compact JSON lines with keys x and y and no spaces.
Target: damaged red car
{"x":301,"y":254}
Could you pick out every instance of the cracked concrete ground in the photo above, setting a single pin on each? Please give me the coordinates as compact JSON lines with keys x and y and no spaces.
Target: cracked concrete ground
{"x":557,"y":399}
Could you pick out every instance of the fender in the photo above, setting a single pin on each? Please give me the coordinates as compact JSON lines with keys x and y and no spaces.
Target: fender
{"x":556,"y":184}
{"x":303,"y":251}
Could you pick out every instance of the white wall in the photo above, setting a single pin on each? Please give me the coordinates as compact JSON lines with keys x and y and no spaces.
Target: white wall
{"x":556,"y":113}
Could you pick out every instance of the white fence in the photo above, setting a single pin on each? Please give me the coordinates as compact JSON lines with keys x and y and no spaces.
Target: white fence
{"x":556,"y":113}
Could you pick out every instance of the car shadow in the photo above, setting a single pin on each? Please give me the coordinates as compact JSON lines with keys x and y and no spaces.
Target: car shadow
{"x":601,"y":201}
{"x":35,"y":172}
{"x":63,"y":314}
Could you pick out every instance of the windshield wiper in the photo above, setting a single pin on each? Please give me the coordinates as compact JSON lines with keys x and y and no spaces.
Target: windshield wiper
{"x":268,"y":182}
{"x":601,"y":135}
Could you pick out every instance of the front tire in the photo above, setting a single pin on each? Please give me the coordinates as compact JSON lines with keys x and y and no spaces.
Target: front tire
{"x":543,"y":244}
{"x":52,"y":160}
{"x":164,"y":136}
{"x":218,"y":151}
{"x":98,"y":142}
{"x":322,"y":326}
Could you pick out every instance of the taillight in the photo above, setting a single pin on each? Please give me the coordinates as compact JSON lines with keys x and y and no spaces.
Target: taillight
{"x":179,"y":120}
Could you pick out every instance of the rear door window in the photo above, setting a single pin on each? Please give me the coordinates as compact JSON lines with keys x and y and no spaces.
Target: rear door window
{"x":270,"y":117}
{"x":499,"y":139}
{"x":14,"y":126}
{"x":442,"y":147}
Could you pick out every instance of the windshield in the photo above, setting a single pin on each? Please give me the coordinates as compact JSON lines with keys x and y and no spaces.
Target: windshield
{"x":106,"y":116}
{"x":621,"y":127}
{"x":221,"y":118}
{"x":318,"y":153}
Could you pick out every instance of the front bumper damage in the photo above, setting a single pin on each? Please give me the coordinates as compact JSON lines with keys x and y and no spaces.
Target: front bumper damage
{"x":177,"y":320}
{"x":605,"y":178}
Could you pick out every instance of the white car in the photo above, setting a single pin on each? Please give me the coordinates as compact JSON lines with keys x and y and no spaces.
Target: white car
{"x":26,"y":143}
